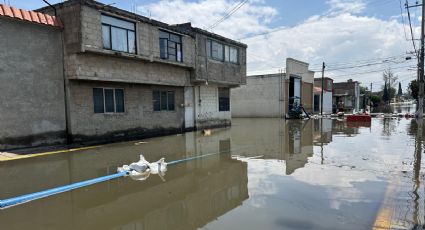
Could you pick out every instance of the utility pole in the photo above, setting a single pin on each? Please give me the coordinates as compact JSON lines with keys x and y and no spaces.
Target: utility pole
{"x":323,"y":83}
{"x":419,"y":113}
{"x":370,"y":99}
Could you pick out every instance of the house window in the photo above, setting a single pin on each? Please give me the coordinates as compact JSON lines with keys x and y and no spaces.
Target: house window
{"x":163,"y":100}
{"x":220,"y":52}
{"x":223,"y":99}
{"x":118,"y":35}
{"x":170,"y":46}
{"x":230,"y":54}
{"x":217,"y":51}
{"x":108,"y":100}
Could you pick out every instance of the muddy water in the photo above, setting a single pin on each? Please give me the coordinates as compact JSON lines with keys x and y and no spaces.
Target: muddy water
{"x":267,"y":174}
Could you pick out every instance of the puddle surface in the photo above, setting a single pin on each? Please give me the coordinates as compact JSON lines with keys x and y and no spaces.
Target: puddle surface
{"x":267,"y":174}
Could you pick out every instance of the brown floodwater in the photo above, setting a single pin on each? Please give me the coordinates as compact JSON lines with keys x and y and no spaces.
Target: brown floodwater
{"x":265,"y":174}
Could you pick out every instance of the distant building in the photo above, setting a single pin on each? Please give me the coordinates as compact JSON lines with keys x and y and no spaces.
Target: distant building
{"x":346,"y":96}
{"x":118,"y":75}
{"x":271,"y":95}
{"x":327,"y":95}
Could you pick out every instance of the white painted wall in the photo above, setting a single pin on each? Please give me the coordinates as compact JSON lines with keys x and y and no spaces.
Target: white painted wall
{"x":327,"y":102}
{"x":189,"y":110}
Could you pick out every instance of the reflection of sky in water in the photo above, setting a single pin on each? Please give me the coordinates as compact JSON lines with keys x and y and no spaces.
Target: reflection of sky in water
{"x":271,"y":174}
{"x":345,"y":192}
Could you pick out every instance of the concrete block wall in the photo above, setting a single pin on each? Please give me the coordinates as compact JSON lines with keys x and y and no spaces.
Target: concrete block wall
{"x":211,"y":70}
{"x":206,"y":106}
{"x":89,"y":66}
{"x":32,"y":110}
{"x":258,"y":98}
{"x":138,"y":120}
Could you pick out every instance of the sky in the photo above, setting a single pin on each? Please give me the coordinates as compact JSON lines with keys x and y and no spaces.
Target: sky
{"x":357,"y":39}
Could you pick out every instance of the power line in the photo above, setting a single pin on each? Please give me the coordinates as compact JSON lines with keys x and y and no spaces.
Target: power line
{"x":370,"y":71}
{"x":411,"y":30}
{"x":230,"y":13}
{"x":402,"y":20}
{"x":283,"y":28}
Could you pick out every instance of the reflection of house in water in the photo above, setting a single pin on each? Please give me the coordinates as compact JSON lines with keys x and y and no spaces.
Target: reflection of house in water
{"x":290,"y":140}
{"x":343,"y":127}
{"x":298,"y":144}
{"x":322,"y":131}
{"x":193,"y":195}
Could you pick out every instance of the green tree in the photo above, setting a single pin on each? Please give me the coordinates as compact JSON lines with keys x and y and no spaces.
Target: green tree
{"x":400,"y":91}
{"x":376,"y":100}
{"x":386,"y":95}
{"x":413,"y":89}
{"x":363,"y":90}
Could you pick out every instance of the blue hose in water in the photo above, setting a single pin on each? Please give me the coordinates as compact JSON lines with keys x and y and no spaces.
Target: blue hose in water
{"x":38,"y":195}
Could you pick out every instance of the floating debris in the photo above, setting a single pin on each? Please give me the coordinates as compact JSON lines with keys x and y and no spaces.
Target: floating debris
{"x":141,"y":142}
{"x":206,"y":132}
{"x":142,"y":169}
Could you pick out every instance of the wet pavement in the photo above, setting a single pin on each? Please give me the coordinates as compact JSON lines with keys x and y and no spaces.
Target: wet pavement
{"x":265,"y":174}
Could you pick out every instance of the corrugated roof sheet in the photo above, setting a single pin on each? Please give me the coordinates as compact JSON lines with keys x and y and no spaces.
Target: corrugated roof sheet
{"x":30,"y":16}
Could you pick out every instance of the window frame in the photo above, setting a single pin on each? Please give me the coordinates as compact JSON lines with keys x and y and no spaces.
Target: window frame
{"x":226,"y":55}
{"x":122,"y":28}
{"x":114,"y":101}
{"x":167,"y":46}
{"x":227,"y":105}
{"x":167,"y":103}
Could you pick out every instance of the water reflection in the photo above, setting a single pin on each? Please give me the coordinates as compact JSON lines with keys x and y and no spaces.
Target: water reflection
{"x":266,"y":174}
{"x":193,"y":195}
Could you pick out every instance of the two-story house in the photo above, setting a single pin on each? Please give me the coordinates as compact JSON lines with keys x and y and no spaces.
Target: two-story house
{"x":346,"y":96}
{"x":128,"y":76}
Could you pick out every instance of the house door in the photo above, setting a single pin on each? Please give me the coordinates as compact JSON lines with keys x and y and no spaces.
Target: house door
{"x":316,"y":103}
{"x":294,"y":91}
{"x":189,"y":117}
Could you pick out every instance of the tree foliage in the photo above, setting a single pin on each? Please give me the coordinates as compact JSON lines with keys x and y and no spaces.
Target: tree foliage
{"x":363,"y":90}
{"x":400,"y":91}
{"x":386,"y":95}
{"x":413,"y":89}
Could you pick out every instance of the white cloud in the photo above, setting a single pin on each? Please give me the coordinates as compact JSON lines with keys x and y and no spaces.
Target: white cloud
{"x":346,"y":6}
{"x":341,"y":34}
{"x":251,"y":17}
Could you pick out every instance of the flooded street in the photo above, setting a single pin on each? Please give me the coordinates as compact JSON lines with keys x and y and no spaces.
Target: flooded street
{"x":261,"y":174}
